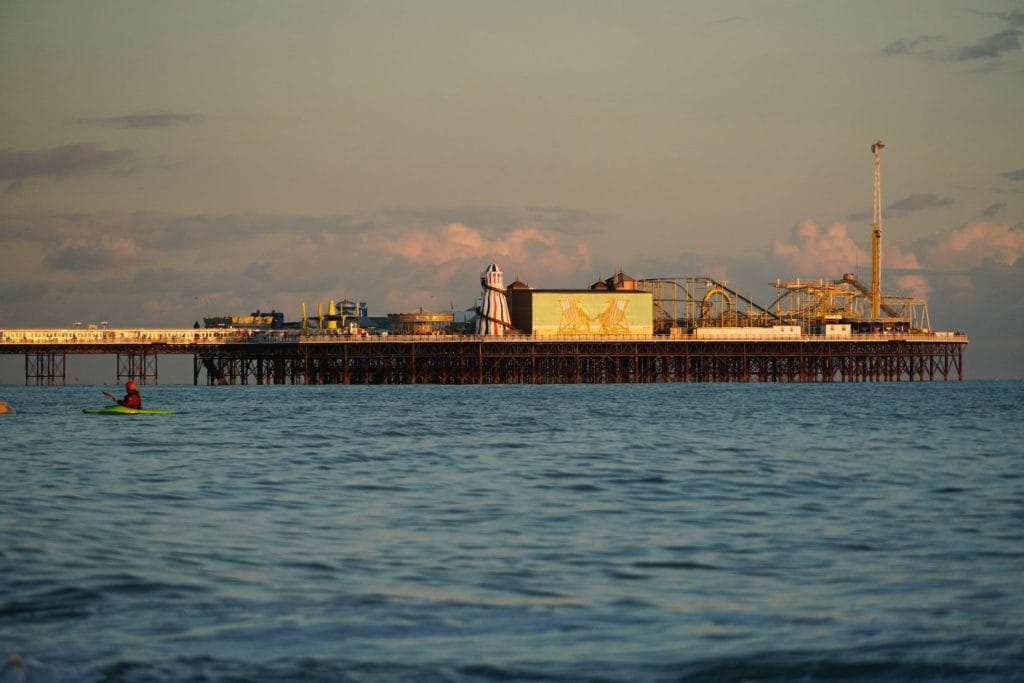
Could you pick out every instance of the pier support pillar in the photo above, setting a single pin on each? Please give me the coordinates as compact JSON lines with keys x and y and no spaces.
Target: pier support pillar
{"x":137,"y":365}
{"x":45,"y":368}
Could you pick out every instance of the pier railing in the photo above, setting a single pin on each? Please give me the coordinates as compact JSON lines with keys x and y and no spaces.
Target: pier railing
{"x":220,"y":336}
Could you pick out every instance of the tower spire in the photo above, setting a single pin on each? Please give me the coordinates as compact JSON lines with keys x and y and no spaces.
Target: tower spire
{"x":876,"y":235}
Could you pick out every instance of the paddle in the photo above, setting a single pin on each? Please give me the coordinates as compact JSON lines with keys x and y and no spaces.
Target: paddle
{"x":113,"y":398}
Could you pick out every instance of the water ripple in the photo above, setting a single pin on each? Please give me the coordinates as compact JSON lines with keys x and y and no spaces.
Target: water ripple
{"x":519,"y":533}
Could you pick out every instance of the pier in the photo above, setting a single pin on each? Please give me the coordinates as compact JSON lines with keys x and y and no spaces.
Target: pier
{"x":241,"y":356}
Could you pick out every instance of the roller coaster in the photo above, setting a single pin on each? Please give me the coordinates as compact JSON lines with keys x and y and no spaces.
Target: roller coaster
{"x":814,"y":303}
{"x":693,"y":302}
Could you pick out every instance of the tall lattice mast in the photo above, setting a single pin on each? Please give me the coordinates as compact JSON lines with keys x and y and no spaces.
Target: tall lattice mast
{"x":876,"y":236}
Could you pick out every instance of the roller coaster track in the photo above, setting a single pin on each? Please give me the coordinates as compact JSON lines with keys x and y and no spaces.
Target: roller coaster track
{"x":745,"y":299}
{"x":690,"y":297}
{"x":867,"y":292}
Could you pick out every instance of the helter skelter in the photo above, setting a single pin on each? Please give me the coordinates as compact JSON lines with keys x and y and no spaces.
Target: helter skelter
{"x":493,"y":317}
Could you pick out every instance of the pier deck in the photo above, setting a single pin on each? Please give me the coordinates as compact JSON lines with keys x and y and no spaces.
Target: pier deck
{"x":227,"y":356}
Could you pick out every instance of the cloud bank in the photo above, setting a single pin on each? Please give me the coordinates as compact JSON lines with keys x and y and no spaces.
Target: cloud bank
{"x":146,"y":119}
{"x":988,"y":49}
{"x":920,"y":202}
{"x":973,"y":245}
{"x":993,"y":210}
{"x":919,"y":46}
{"x":61,"y":162}
{"x":909,"y":204}
{"x":816,"y":252}
{"x":171,"y":269}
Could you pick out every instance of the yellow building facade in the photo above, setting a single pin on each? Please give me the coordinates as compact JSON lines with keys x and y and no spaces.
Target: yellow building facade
{"x":546,"y":313}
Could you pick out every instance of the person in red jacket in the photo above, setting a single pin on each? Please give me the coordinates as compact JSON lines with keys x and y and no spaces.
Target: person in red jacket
{"x":132,"y":399}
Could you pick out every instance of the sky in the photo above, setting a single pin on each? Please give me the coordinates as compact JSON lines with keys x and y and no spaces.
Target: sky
{"x":160,"y":162}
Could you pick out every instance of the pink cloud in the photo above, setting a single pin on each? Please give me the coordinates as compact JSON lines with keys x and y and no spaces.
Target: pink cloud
{"x":812,"y":251}
{"x":913,"y":285}
{"x":562,"y":263}
{"x":816,"y":252}
{"x":972,"y":244}
{"x":456,"y":244}
{"x":431,"y":268}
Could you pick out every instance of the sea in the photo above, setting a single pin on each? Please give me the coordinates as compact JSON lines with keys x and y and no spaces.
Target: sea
{"x":522,"y":533}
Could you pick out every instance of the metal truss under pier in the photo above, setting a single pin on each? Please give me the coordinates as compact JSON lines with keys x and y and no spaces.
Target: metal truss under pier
{"x":496,"y":361}
{"x":47,"y":365}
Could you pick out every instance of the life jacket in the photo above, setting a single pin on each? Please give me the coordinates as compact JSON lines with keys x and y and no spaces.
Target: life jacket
{"x":133,"y":399}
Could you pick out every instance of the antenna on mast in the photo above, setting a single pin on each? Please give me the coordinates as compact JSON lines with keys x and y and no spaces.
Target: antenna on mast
{"x":876,"y":235}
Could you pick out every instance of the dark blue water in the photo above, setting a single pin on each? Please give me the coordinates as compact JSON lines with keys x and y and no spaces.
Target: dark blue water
{"x":738,"y":532}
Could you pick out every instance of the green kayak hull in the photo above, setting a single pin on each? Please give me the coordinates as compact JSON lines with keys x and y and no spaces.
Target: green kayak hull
{"x":121,"y":410}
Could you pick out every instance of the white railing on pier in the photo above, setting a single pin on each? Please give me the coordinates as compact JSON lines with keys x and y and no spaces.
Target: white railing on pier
{"x":220,"y":336}
{"x":123,"y":336}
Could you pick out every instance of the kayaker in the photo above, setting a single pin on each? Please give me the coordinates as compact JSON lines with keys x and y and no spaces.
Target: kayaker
{"x":133,"y":399}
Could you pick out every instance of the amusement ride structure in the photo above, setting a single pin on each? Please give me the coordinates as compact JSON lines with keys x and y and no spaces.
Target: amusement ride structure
{"x":688,"y":303}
